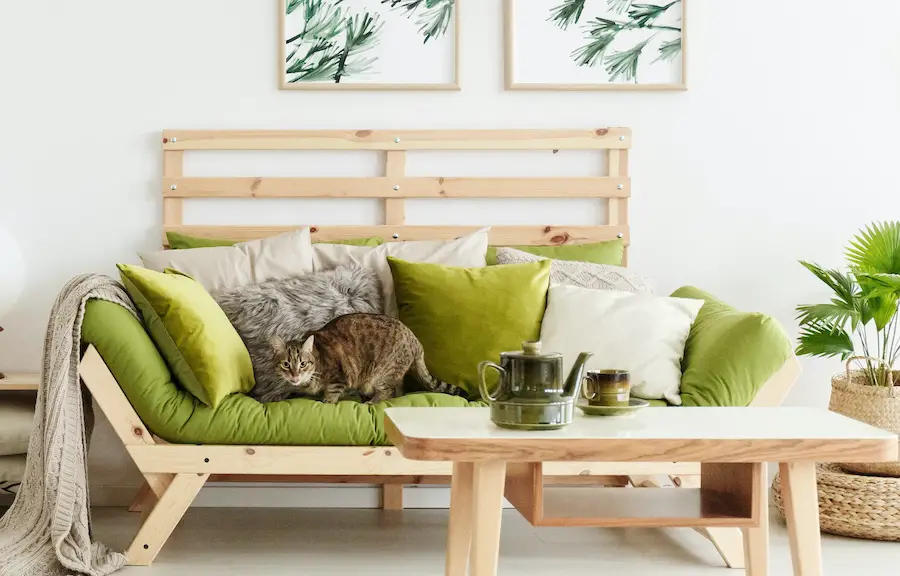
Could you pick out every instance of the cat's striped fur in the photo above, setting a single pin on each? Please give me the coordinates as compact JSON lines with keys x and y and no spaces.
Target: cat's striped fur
{"x":366,"y":353}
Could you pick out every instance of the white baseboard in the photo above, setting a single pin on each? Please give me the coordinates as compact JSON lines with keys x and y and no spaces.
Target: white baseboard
{"x":240,"y":495}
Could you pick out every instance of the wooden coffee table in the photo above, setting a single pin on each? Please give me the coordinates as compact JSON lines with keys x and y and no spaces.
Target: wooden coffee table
{"x":732,"y":445}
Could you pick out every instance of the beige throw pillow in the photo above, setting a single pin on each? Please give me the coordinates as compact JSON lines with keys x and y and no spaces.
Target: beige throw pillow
{"x":582,"y":274}
{"x":466,"y":252}
{"x":226,"y":267}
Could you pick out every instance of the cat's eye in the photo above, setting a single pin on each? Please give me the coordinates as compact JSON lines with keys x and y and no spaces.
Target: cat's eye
{"x":303,"y":363}
{"x":285,"y":366}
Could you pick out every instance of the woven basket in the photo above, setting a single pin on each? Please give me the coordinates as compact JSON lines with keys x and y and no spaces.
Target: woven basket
{"x":875,"y":405}
{"x":858,"y":506}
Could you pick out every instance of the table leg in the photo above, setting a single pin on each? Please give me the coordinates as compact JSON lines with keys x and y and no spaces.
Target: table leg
{"x":489,"y":481}
{"x":801,"y":508}
{"x":459,"y":531}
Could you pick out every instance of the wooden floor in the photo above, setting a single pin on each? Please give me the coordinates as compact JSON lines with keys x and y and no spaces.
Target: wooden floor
{"x":276,"y":541}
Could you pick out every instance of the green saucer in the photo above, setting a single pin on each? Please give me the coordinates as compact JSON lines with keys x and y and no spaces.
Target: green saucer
{"x":634,"y":404}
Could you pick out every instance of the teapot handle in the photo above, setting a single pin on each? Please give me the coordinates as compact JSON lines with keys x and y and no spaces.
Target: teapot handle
{"x":482,"y":383}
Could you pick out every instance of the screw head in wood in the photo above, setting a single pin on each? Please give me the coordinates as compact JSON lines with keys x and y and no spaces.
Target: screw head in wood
{"x":395,"y":236}
{"x":621,"y":186}
{"x":621,"y":138}
{"x":173,"y":187}
{"x":396,"y":186}
{"x":396,"y":140}
{"x":174,"y":140}
{"x":620,"y":235}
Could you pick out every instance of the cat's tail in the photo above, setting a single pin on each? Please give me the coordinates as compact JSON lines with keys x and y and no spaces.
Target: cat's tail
{"x":432,"y":384}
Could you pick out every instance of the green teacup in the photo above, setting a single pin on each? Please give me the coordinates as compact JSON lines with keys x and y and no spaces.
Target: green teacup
{"x":607,"y":387}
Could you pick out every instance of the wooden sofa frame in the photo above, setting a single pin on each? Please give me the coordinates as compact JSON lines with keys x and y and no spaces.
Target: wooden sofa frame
{"x":175,"y":473}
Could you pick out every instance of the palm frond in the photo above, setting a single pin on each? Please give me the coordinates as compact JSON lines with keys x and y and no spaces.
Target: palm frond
{"x":434,"y":21}
{"x":876,"y":249}
{"x":601,"y":33}
{"x":294,"y":4}
{"x":619,"y":6}
{"x":824,"y":341}
{"x":875,"y":285}
{"x":643,"y":15}
{"x":835,"y":314}
{"x":624,"y":64}
{"x":668,"y":51}
{"x":567,"y":13}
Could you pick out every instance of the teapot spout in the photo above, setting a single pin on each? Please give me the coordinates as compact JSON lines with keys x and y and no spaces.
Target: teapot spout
{"x":576,"y":376}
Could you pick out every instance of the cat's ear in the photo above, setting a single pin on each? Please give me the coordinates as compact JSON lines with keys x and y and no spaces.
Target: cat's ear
{"x":278,"y":345}
{"x":308,"y":345}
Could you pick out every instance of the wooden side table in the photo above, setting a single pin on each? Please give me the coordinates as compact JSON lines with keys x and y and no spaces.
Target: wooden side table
{"x":14,"y":382}
{"x":732,"y":445}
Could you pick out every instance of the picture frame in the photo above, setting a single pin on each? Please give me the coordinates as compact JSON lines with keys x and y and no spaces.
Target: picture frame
{"x":625,"y":45}
{"x":342,"y":44}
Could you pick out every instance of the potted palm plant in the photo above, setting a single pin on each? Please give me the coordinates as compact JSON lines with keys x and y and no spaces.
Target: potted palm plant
{"x":860,"y":325}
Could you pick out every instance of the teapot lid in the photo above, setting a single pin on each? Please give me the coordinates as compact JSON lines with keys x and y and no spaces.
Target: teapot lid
{"x":531,"y":350}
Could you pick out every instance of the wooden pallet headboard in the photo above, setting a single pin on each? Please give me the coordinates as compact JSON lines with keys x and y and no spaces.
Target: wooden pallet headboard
{"x":395,"y":186}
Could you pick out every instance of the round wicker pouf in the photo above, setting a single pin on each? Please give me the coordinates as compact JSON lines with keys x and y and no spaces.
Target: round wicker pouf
{"x":850,"y":505}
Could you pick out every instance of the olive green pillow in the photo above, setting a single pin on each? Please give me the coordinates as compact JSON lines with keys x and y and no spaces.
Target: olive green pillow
{"x":610,"y":253}
{"x":465,"y":315}
{"x":179,"y":241}
{"x":193,"y":334}
{"x":729,"y":354}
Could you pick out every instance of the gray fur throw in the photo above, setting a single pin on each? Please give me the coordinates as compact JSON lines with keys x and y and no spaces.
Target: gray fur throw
{"x":291,"y":307}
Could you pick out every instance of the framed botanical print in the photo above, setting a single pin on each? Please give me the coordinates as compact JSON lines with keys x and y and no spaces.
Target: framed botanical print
{"x":595,"y":44}
{"x":369,"y":44}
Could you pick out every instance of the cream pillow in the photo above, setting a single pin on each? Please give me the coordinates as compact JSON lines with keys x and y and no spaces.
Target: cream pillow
{"x":582,"y":274}
{"x":226,"y":267}
{"x":466,"y":252}
{"x":640,"y":333}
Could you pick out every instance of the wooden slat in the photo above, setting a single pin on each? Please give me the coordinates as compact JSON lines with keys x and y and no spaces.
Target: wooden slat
{"x":20,"y":382}
{"x":394,"y":206}
{"x":173,"y":208}
{"x":599,"y":139}
{"x":617,"y":209}
{"x":499,"y":235}
{"x":384,"y":187}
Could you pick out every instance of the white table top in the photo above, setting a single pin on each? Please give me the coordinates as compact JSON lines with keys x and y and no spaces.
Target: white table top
{"x":653,"y":434}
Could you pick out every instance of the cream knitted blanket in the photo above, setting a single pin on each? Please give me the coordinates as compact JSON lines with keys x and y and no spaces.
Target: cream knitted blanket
{"x":47,"y":531}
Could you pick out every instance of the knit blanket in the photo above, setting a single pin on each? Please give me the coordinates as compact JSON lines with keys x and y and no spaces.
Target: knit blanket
{"x":47,"y":531}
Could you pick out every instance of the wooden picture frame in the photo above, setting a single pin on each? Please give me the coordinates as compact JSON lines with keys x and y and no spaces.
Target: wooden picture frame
{"x":453,"y":33}
{"x":512,"y":83}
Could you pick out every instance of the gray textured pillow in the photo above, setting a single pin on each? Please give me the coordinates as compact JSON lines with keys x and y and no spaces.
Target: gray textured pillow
{"x":582,"y":274}
{"x":291,"y":307}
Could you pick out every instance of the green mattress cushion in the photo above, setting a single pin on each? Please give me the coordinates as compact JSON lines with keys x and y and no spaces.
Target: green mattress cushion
{"x":463,"y":316}
{"x":178,"y":241}
{"x":176,"y":416}
{"x":193,"y":333}
{"x":729,"y":354}
{"x":610,"y":252}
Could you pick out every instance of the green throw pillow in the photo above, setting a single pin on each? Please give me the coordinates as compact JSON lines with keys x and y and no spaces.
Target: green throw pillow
{"x":193,"y":334}
{"x":465,"y":315}
{"x":729,"y":354}
{"x":610,"y":253}
{"x":179,"y":241}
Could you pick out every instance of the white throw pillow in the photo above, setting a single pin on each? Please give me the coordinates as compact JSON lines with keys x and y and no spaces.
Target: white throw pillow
{"x":466,"y":251}
{"x":223,"y":268}
{"x":640,"y":333}
{"x":582,"y":274}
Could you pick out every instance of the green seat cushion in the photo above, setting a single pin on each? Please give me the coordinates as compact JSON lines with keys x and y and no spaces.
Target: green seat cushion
{"x":176,"y":416}
{"x":610,"y":253}
{"x":193,"y":333}
{"x":729,"y":354}
{"x":463,"y":316}
{"x":179,"y":241}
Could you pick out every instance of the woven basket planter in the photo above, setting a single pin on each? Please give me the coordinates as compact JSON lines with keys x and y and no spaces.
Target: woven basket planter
{"x":850,"y":505}
{"x":875,"y":405}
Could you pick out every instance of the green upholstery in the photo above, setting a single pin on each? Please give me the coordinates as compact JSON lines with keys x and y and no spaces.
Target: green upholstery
{"x":610,"y":252}
{"x":729,"y":354}
{"x":176,"y":416}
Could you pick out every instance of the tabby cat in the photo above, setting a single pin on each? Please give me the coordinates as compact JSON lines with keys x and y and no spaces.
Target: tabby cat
{"x":366,"y":353}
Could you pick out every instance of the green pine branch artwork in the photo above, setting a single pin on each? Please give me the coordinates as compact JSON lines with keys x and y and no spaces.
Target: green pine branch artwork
{"x":619,"y":40}
{"x":336,"y":42}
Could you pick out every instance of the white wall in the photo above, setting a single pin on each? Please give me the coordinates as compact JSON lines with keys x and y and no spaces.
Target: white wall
{"x":782,"y":147}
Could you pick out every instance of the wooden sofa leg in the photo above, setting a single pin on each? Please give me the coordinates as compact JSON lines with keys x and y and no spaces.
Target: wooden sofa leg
{"x":164,"y":517}
{"x":392,"y":496}
{"x":141,"y":499}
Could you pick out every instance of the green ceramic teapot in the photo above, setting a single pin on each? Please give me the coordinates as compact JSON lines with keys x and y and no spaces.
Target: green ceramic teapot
{"x":531,"y":394}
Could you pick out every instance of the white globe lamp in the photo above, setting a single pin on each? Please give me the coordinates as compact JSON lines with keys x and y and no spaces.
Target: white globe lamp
{"x":12,"y":274}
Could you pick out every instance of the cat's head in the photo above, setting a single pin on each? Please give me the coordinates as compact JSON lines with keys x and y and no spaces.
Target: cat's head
{"x":295,"y":360}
